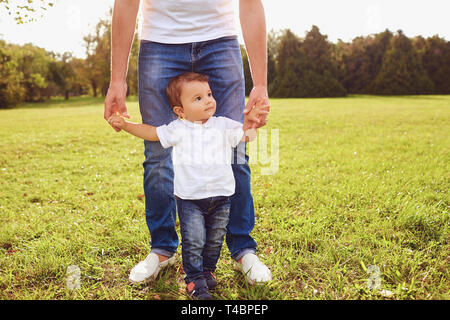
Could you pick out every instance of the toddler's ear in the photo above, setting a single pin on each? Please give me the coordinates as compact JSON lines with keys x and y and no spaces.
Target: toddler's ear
{"x":178,"y":110}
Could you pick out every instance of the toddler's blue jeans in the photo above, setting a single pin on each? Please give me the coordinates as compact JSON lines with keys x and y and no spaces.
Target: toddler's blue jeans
{"x":220,"y":59}
{"x":203,"y":226}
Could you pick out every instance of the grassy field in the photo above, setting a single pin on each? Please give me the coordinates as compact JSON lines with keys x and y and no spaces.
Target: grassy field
{"x":361,"y":193}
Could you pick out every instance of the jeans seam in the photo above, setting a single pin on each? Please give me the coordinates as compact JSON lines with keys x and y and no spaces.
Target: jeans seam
{"x":192,"y":57}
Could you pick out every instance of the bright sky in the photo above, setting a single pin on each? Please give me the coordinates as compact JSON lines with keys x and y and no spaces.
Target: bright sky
{"x":62,"y":28}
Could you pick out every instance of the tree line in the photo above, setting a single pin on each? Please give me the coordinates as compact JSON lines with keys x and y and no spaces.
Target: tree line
{"x":386,"y":63}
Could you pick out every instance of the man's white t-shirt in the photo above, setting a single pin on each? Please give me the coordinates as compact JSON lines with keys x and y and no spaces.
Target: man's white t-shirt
{"x":202,"y":155}
{"x":187,"y":21}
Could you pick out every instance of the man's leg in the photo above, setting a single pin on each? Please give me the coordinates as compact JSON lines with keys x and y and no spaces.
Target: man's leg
{"x":160,"y":206}
{"x":158,"y":63}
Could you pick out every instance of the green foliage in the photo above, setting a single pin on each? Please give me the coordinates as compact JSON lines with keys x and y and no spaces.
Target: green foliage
{"x":305,"y":67}
{"x":360,"y":61}
{"x":272,"y":51}
{"x":62,"y":73}
{"x":392,"y":64}
{"x":272,"y":47}
{"x":31,"y":74}
{"x":25,"y":11}
{"x":384,"y":63}
{"x":98,"y":61}
{"x":26,"y":68}
{"x":401,"y":71}
{"x":11,"y":90}
{"x":435,"y":56}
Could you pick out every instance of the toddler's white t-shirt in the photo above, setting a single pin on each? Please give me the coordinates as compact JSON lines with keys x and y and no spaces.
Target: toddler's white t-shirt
{"x":202,"y":155}
{"x":187,"y":21}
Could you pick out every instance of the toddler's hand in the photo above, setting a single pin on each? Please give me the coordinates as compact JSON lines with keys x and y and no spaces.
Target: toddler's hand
{"x":255,"y":115}
{"x":116,"y":121}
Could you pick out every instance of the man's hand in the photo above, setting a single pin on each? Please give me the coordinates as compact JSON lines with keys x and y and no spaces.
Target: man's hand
{"x":122,"y":32}
{"x":115,"y":101}
{"x":258,"y":97}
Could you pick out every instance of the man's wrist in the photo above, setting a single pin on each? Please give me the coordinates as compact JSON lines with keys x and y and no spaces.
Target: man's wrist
{"x":260,"y":89}
{"x":262,"y":85}
{"x":118,"y":82}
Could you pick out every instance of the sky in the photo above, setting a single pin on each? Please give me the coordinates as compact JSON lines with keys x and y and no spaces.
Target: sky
{"x":63,"y":26}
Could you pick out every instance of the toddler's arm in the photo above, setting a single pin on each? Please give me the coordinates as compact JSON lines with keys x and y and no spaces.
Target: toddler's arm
{"x":140,"y":130}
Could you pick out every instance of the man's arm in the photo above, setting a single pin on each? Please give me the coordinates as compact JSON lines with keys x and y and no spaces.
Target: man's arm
{"x":123,"y":28}
{"x":253,"y":24}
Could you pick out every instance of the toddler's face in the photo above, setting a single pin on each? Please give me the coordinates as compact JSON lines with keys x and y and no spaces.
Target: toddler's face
{"x":197,"y":101}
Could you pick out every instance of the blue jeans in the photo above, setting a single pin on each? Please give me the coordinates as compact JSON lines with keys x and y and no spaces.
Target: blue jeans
{"x":203,"y":226}
{"x":221,"y":61}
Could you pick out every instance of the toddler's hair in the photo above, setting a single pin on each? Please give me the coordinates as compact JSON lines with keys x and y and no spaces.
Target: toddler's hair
{"x":173,"y":89}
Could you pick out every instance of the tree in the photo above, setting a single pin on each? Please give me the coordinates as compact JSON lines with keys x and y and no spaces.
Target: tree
{"x":24,"y":74}
{"x":434,"y":53}
{"x":305,"y":68}
{"x":360,"y":61}
{"x":98,"y":56}
{"x":79,"y":83}
{"x":34,"y":65}
{"x":376,"y":51}
{"x":11,"y":90}
{"x":290,"y":60}
{"x":98,"y":51}
{"x":62,"y":74}
{"x":273,"y":39}
{"x":132,"y":76}
{"x":401,"y":71}
{"x":272,"y":43}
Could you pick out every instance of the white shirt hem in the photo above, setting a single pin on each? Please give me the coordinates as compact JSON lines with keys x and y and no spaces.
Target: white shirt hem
{"x":204,"y":196}
{"x":183,"y":40}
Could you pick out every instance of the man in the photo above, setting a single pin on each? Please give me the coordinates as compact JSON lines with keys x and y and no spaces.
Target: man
{"x":199,"y":36}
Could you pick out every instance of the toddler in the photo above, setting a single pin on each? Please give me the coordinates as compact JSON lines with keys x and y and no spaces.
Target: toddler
{"x":203,"y":178}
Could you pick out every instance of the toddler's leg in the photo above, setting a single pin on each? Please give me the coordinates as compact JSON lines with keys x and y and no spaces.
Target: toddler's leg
{"x":193,"y":237}
{"x":215,"y":223}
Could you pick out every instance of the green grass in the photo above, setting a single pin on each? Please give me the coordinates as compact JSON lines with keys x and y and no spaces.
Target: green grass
{"x":362,"y":181}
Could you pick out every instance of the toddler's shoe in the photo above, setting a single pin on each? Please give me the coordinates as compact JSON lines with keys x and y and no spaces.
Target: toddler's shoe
{"x":198,"y":289}
{"x":149,"y":268}
{"x":211,"y":281}
{"x":255,"y":271}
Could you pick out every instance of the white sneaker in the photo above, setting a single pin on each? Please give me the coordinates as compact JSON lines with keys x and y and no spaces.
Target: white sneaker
{"x":255,"y":271}
{"x":149,"y":268}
